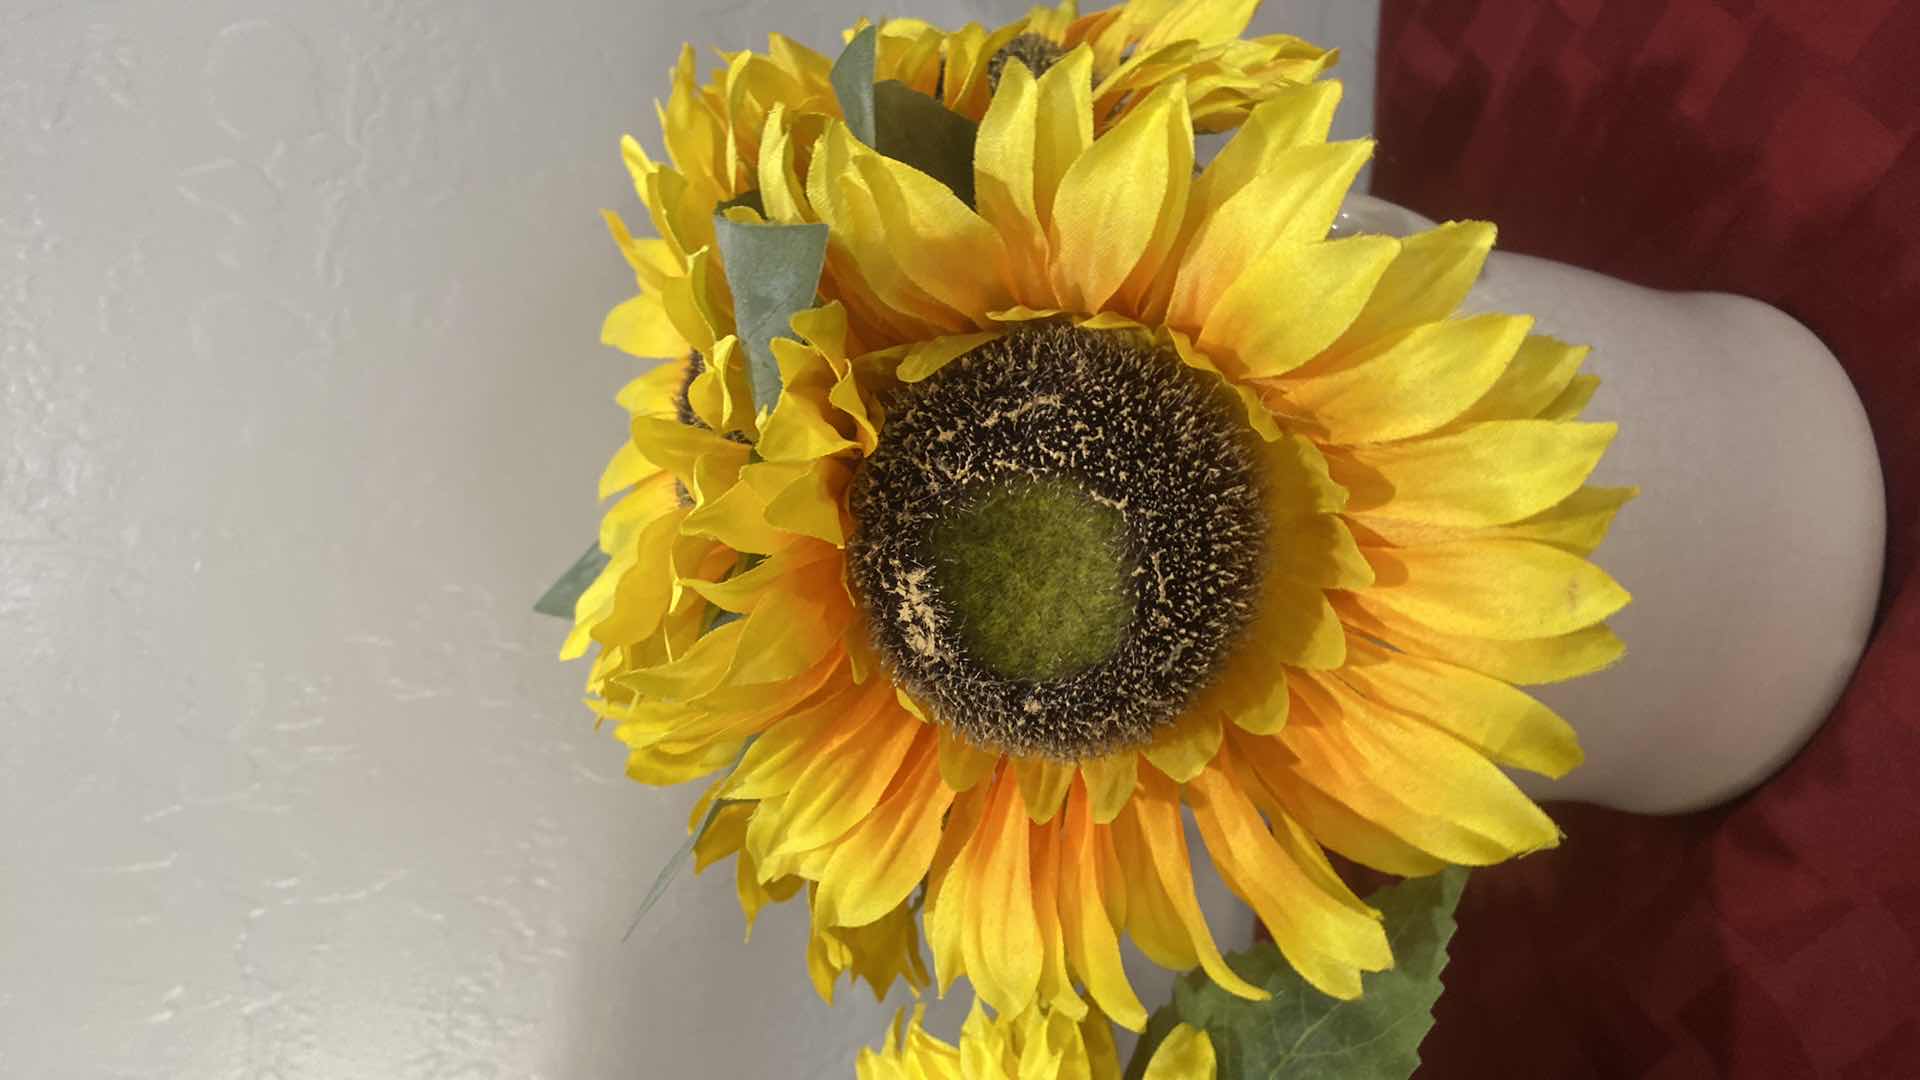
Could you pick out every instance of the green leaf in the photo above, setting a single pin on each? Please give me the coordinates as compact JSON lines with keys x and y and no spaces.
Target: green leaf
{"x":901,"y":122}
{"x":1302,"y":1033}
{"x":913,"y":128}
{"x":773,"y":271}
{"x":681,"y":858}
{"x":560,"y":597}
{"x":852,"y":79}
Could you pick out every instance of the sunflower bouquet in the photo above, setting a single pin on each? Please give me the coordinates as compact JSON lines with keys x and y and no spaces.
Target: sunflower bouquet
{"x":1014,"y":492}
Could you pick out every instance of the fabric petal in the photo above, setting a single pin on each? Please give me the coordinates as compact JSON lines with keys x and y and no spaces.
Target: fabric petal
{"x":1110,"y":781}
{"x":1523,"y":662}
{"x":1406,"y":385}
{"x":1541,"y":371}
{"x":1486,"y":474}
{"x":1000,"y":938}
{"x":1508,"y":590}
{"x":1063,"y":126}
{"x":1429,"y":279}
{"x":1184,"y":747}
{"x":880,"y":863}
{"x":1292,"y":302}
{"x":1185,"y":1054}
{"x":1043,"y":784}
{"x":1292,"y":202}
{"x":1003,"y":171}
{"x":1113,"y":201}
{"x":1093,"y":947}
{"x":1426,"y":787}
{"x":1327,"y":940}
{"x":1156,"y":811}
{"x":1501,"y":722}
{"x":1265,"y":766}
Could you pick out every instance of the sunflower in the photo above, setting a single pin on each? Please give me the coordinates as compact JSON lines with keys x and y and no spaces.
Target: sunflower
{"x":1031,"y":1044}
{"x":1132,"y":48}
{"x":764,"y":111}
{"x":1123,"y":490}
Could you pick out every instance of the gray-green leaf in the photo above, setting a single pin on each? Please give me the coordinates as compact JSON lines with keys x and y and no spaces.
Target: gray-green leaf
{"x":1303,"y":1033}
{"x":561,"y":595}
{"x":901,"y":122}
{"x":773,"y":271}
{"x":852,"y":79}
{"x":679,"y":860}
{"x":913,"y":128}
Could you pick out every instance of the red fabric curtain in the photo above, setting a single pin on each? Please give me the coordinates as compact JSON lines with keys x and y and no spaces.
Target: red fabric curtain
{"x":1764,"y":147}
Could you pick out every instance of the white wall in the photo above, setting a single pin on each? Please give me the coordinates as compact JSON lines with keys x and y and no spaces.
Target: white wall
{"x":301,"y":405}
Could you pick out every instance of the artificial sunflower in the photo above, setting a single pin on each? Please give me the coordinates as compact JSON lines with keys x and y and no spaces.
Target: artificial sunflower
{"x":1032,"y":1044}
{"x":1121,"y":489}
{"x":1132,"y":49}
{"x":766,"y":111}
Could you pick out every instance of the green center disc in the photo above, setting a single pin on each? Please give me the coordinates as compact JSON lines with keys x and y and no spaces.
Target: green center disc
{"x":1038,"y":579}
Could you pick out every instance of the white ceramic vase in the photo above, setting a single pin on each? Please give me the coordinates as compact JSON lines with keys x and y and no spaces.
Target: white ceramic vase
{"x":1754,"y":552}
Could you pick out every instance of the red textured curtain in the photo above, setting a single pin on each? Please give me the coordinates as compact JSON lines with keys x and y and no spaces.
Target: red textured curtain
{"x":1764,"y":147}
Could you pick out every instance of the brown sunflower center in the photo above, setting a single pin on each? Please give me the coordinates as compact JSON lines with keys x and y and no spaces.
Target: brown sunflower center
{"x":1059,"y":539}
{"x":1036,"y":51}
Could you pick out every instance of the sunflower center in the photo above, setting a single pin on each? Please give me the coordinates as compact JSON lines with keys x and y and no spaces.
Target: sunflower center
{"x":1036,"y":51}
{"x":1037,"y":576}
{"x":1059,"y":539}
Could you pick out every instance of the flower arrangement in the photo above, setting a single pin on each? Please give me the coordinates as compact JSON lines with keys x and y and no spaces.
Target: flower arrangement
{"x":1012,"y":488}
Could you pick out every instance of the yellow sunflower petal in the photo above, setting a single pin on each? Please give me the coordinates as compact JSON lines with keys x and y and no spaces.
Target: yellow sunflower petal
{"x":1001,"y":938}
{"x":1063,"y":125}
{"x":1003,"y":169}
{"x":1110,"y":782}
{"x":1502,"y":722}
{"x":838,"y":790}
{"x":1156,"y":811}
{"x":625,"y":469}
{"x":1299,"y":479}
{"x":946,"y":906}
{"x":1056,"y":992}
{"x":1408,"y":385}
{"x":1319,"y":549}
{"x":1119,"y":202}
{"x":1043,"y":784}
{"x":1250,"y":693}
{"x":1424,"y":786}
{"x":1185,"y":1054}
{"x":1296,"y":625}
{"x":665,"y":767}
{"x":1184,"y":747}
{"x":1327,"y":940}
{"x":1541,"y":370}
{"x":1266,"y":767}
{"x":809,"y":500}
{"x":776,"y":760}
{"x":1292,"y":302}
{"x":1429,"y":278}
{"x":923,"y":358}
{"x":639,"y":326}
{"x":656,"y":393}
{"x":1092,"y":945}
{"x":1297,"y":116}
{"x":879,"y":864}
{"x":1508,"y":590}
{"x":1573,"y":400}
{"x":1523,"y":662}
{"x":1292,"y":202}
{"x":962,"y":765}
{"x":1486,"y":474}
{"x":953,"y":255}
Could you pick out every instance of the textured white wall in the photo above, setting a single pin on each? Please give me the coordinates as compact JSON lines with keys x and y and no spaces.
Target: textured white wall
{"x":301,"y":406}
